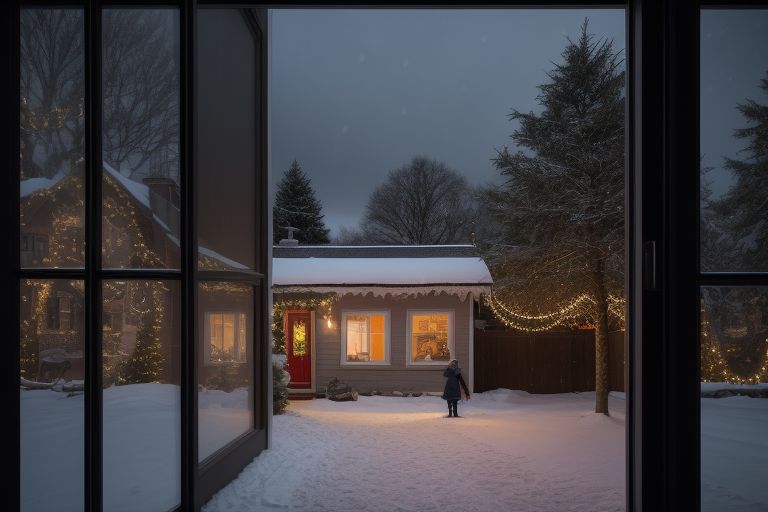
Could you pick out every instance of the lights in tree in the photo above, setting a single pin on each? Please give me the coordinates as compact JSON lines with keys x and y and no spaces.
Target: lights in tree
{"x":580,"y":309}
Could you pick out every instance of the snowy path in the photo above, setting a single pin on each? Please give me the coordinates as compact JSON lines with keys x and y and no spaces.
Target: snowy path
{"x":510,"y":452}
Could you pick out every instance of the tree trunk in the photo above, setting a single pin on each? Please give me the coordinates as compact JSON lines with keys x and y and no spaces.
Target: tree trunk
{"x":601,"y":340}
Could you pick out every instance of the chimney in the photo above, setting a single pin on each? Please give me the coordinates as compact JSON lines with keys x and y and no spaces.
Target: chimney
{"x":164,"y":200}
{"x":290,"y":241}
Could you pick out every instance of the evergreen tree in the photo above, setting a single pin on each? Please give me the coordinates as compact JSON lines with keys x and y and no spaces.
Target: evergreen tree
{"x":296,"y":206}
{"x":561,"y":208}
{"x":146,"y":362}
{"x":743,"y":207}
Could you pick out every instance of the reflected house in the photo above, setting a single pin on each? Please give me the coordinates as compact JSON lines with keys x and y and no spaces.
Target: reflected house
{"x":140,"y":229}
{"x":384,"y":318}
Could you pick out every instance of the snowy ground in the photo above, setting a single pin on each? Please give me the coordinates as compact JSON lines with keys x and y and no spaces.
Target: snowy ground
{"x":734,"y":454}
{"x":511,"y":451}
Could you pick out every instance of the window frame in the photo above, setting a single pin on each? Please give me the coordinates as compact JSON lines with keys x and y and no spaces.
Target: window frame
{"x":238,"y":317}
{"x":387,"y":338}
{"x":409,"y":336}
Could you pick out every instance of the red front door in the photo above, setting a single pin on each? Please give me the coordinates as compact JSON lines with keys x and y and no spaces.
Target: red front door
{"x":298,"y":347}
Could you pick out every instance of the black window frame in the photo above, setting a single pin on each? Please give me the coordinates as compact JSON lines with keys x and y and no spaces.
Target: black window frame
{"x":198,"y":482}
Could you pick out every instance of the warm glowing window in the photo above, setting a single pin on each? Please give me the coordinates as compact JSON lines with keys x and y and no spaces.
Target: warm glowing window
{"x":227,"y":338}
{"x":365,"y":337}
{"x":430,"y":337}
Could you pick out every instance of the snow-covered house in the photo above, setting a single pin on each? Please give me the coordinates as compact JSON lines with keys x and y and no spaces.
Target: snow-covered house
{"x":381,"y":318}
{"x":140,"y":229}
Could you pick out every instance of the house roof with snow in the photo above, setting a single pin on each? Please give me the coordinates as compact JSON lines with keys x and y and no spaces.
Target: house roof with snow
{"x":381,"y":270}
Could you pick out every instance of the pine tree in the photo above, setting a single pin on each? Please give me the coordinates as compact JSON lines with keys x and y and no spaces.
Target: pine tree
{"x":743,"y":207}
{"x":561,"y":209}
{"x":297,"y":206}
{"x":146,"y":363}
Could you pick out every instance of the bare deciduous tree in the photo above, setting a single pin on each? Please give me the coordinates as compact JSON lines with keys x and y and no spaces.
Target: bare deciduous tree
{"x":140,"y":91}
{"x":424,"y":202}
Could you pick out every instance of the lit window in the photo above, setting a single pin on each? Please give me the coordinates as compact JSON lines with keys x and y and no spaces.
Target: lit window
{"x":227,"y":338}
{"x":430,"y":337}
{"x":365,"y":337}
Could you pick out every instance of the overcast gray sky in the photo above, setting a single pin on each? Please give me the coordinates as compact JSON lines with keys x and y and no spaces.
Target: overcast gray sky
{"x":356,"y":93}
{"x":734,"y":57}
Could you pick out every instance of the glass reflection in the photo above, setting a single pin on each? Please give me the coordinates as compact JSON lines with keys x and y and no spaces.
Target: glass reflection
{"x":141,"y":357}
{"x":226,"y":141}
{"x":52,"y":201}
{"x":225,"y":399}
{"x":734,"y":404}
{"x":734,"y":138}
{"x":140,"y":187}
{"x":51,"y":394}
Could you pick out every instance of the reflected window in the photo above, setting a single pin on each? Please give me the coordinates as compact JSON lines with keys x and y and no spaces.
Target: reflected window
{"x":227,"y":338}
{"x":225,"y":397}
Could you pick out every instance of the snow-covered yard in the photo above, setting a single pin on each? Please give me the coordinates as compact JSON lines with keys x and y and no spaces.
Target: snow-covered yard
{"x":510,"y":451}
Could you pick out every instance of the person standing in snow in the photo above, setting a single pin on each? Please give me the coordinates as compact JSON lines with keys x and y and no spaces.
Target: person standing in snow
{"x":454,"y":385}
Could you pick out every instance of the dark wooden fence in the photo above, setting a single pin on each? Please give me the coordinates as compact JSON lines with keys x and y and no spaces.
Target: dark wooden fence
{"x":551,"y":362}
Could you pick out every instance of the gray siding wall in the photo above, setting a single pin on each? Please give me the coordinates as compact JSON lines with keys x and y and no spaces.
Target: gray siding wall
{"x":397,"y":376}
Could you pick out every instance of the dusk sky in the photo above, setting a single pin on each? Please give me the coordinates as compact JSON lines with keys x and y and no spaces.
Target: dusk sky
{"x":357,"y":93}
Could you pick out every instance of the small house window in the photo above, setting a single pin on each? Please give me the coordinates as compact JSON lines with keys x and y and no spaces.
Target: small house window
{"x":59,"y":313}
{"x":430,"y":337}
{"x":227,"y":338}
{"x":365,"y":337}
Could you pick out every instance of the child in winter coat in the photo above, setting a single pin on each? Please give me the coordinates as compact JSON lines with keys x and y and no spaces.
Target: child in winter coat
{"x":454,"y":385}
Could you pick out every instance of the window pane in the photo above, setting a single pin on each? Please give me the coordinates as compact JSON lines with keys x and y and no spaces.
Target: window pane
{"x":430,"y":337}
{"x":734,"y":404}
{"x":227,"y":141}
{"x":52,"y":138}
{"x":225,"y":399}
{"x":734,"y":140}
{"x":141,"y":357}
{"x":140,"y":185}
{"x":52,"y":401}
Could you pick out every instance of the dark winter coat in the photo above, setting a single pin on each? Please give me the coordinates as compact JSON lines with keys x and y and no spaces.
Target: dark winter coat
{"x":452,"y":390}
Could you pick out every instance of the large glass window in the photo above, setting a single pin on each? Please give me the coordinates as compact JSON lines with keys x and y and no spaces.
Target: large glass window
{"x":365,"y":337}
{"x":227,"y":134}
{"x":51,"y":192}
{"x":734,"y":140}
{"x":51,"y":395}
{"x":430,"y":337}
{"x":141,"y":370}
{"x":225,"y":398}
{"x":140,"y":139}
{"x":734,"y":238}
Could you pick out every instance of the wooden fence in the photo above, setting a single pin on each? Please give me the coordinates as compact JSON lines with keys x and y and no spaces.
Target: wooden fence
{"x":551,"y":362}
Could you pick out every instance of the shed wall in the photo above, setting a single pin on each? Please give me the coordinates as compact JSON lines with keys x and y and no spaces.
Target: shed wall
{"x":397,"y":376}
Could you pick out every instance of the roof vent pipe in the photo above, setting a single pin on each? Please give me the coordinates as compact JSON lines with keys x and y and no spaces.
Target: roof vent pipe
{"x":290,"y":241}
